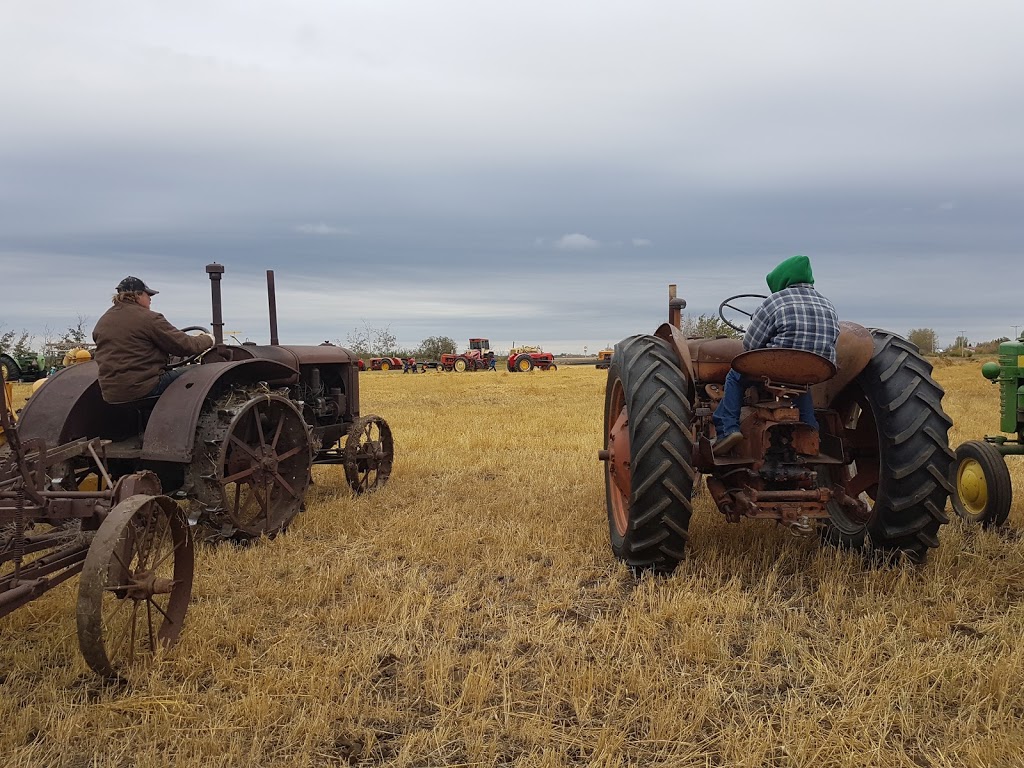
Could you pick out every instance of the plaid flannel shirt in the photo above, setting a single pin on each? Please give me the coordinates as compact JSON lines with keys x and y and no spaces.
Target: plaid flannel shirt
{"x":797,"y":317}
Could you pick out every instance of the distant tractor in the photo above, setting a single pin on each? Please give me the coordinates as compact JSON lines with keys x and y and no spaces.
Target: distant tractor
{"x":604,"y":358}
{"x":981,"y":480}
{"x":476,"y":358}
{"x":28,"y":367}
{"x":875,"y":476}
{"x":385,"y":363}
{"x":525,"y":358}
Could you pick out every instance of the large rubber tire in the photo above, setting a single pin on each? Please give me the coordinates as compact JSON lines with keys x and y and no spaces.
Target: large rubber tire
{"x":461,"y":365}
{"x":11,"y":371}
{"x":385,"y":365}
{"x":524,"y":363}
{"x":649,"y":527}
{"x":898,"y":438}
{"x":981,"y":482}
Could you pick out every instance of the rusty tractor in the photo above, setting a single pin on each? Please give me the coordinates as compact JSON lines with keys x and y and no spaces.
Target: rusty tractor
{"x":476,"y":358}
{"x":131,"y":544}
{"x":236,"y":435}
{"x":527,"y":358}
{"x":604,"y":359}
{"x":875,"y":477}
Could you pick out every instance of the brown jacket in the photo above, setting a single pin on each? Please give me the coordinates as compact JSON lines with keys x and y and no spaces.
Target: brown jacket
{"x":132,"y":346}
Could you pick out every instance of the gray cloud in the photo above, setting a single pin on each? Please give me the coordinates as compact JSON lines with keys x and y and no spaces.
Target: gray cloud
{"x":883,"y":141}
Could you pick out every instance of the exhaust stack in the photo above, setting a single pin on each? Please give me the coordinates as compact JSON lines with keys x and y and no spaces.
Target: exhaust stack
{"x":272,"y":300}
{"x":215,"y":271}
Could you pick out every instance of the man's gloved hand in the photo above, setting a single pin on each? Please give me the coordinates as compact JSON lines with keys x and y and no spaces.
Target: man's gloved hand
{"x":213,"y":341}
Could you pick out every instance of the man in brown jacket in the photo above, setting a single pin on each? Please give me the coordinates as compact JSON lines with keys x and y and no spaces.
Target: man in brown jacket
{"x":133,"y":344}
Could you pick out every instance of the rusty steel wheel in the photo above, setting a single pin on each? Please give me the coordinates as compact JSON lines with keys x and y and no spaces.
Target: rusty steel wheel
{"x":368,"y":455}
{"x":252,"y":463}
{"x":135,"y":585}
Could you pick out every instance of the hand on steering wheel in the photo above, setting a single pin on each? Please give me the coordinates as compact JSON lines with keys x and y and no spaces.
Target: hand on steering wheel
{"x":192,"y":358}
{"x":727,"y":304}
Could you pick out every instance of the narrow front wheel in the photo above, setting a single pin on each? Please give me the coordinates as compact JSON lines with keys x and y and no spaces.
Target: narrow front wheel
{"x":981,"y":483}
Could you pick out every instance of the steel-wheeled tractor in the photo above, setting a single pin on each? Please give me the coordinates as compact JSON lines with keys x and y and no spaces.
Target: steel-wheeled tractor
{"x":236,"y":435}
{"x":476,"y":358}
{"x":982,"y":489}
{"x":526,"y":358}
{"x":131,"y":544}
{"x":875,"y":476}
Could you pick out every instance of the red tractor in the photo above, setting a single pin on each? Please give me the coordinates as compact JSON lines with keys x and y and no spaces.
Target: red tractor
{"x":527,"y":358}
{"x":476,"y":358}
{"x":385,"y":363}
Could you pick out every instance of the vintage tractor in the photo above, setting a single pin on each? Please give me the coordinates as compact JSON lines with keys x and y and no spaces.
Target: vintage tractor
{"x":604,"y":358}
{"x":476,"y":358}
{"x":876,"y":475}
{"x":236,"y":435}
{"x":23,"y":368}
{"x":385,"y":363}
{"x":131,"y":544}
{"x":526,"y":358}
{"x":981,"y":479}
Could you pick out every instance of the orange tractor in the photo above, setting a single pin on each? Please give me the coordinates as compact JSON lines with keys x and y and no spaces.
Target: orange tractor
{"x":875,"y":476}
{"x":526,"y":358}
{"x":476,"y":358}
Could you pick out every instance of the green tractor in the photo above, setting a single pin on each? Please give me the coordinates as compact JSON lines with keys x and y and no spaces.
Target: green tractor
{"x":982,"y":481}
{"x":28,"y":367}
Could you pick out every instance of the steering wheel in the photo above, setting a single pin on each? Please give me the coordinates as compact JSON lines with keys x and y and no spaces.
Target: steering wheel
{"x":727,"y":304}
{"x":192,"y":358}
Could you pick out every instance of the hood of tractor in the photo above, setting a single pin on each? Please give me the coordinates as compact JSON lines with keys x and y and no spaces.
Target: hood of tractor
{"x":794,"y":270}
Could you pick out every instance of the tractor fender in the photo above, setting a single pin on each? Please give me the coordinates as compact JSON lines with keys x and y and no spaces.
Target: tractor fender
{"x":854,"y":349}
{"x":171,"y":430}
{"x":68,"y":407}
{"x":677,"y":340}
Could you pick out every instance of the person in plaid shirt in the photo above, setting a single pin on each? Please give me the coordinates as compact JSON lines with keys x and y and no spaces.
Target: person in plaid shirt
{"x":795,"y":316}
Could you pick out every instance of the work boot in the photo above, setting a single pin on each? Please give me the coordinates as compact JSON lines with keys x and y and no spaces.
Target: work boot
{"x":720,"y":446}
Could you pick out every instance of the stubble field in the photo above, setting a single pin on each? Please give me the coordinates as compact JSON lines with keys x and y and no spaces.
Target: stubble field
{"x":471,"y":613}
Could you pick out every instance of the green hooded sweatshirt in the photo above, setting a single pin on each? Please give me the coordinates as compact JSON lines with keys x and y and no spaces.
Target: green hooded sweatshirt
{"x":795,"y":269}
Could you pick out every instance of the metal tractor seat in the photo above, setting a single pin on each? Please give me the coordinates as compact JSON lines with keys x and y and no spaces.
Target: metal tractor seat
{"x":784,"y":371}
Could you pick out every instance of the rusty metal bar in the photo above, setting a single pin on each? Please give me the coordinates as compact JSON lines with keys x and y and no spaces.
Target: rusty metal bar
{"x":674,"y":313}
{"x":215,"y":271}
{"x":820,"y":495}
{"x":272,"y":301}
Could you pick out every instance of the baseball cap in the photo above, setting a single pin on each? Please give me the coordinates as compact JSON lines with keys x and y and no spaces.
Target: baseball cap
{"x":135,"y":285}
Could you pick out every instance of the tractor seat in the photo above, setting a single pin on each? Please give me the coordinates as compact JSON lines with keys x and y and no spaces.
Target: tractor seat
{"x":784,"y":366}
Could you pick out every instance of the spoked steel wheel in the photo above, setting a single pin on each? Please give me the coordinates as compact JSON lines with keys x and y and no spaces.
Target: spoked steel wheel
{"x":253,"y":457}
{"x":135,"y":585}
{"x":369,"y":454}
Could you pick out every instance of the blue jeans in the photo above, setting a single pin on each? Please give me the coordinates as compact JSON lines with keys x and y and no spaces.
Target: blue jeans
{"x":165,"y":381}
{"x":727,"y":415}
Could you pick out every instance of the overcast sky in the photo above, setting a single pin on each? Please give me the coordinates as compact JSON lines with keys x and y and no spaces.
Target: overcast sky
{"x":534,"y":172}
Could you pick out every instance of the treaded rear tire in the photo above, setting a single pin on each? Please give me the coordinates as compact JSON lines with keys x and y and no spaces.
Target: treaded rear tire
{"x":896,"y":398}
{"x":11,"y":370}
{"x":653,"y":523}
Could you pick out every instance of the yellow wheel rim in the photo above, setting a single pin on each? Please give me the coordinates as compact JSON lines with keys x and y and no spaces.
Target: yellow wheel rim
{"x":460,"y":365}
{"x":385,"y":366}
{"x":524,"y":365}
{"x":971,"y":486}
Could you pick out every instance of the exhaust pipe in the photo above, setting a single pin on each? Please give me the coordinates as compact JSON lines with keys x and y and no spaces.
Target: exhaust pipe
{"x":272,"y":300}
{"x":215,"y":271}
